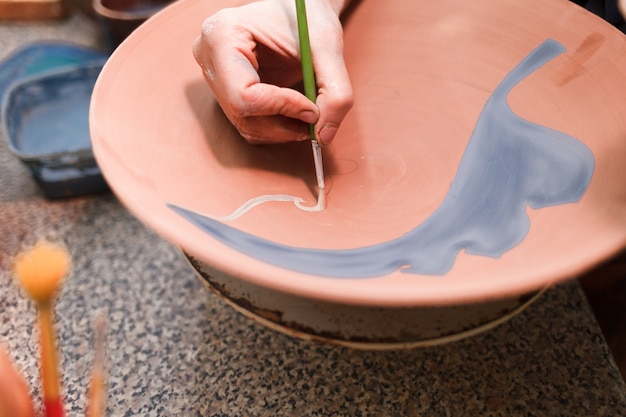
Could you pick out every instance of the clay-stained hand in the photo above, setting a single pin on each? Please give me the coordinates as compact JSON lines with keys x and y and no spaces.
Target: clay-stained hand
{"x":14,"y":397}
{"x":250,"y":58}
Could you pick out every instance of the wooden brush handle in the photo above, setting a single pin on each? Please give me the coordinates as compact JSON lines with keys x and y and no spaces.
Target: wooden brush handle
{"x":51,"y":383}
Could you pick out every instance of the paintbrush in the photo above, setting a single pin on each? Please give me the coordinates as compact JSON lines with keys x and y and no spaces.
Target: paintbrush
{"x":96,"y":403}
{"x":40,"y":271}
{"x":310,"y":91}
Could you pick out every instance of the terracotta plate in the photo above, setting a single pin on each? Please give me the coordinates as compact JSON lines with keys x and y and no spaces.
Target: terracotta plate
{"x":484,"y":157}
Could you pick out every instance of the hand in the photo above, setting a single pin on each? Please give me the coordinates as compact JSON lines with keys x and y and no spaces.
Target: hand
{"x":14,"y":397}
{"x":250,"y":59}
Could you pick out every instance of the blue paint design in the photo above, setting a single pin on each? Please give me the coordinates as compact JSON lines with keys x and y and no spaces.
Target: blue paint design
{"x":509,"y":164}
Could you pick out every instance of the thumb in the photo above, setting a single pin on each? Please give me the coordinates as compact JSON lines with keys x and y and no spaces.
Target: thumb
{"x":335,"y":96}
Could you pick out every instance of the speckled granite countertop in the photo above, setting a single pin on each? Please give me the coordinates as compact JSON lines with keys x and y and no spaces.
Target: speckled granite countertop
{"x":174,"y":349}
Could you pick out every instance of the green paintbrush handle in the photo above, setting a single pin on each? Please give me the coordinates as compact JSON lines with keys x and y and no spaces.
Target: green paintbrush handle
{"x":308,"y":76}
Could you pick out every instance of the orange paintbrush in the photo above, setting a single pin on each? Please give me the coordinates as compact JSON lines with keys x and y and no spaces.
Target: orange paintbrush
{"x":40,"y":271}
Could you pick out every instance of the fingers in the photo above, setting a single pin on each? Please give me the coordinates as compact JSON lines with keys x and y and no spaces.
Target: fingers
{"x":261,"y":112}
{"x":249,"y":63}
{"x":265,"y":113}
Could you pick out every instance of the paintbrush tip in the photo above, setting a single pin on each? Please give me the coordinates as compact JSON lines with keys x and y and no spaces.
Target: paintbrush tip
{"x":41,"y":269}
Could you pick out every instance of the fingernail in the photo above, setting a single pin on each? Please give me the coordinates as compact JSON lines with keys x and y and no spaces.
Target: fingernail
{"x":327,"y":133}
{"x":308,"y":116}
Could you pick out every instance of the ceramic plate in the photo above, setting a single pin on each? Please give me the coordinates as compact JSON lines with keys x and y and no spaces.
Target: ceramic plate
{"x":484,"y":156}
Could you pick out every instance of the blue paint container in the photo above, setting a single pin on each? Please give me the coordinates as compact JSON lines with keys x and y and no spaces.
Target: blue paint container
{"x":41,"y":57}
{"x":45,"y":119}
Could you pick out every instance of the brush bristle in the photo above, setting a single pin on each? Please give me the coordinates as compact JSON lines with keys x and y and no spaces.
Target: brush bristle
{"x":41,"y":269}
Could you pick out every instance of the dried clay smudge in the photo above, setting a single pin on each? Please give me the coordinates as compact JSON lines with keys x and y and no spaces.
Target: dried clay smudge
{"x":509,"y":164}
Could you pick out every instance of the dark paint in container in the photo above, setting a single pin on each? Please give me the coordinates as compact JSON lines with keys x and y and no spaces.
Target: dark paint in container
{"x":119,"y":18}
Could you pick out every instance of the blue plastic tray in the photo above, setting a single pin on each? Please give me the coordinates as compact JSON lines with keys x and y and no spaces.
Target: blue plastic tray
{"x":46,"y":121}
{"x":40,"y":57}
